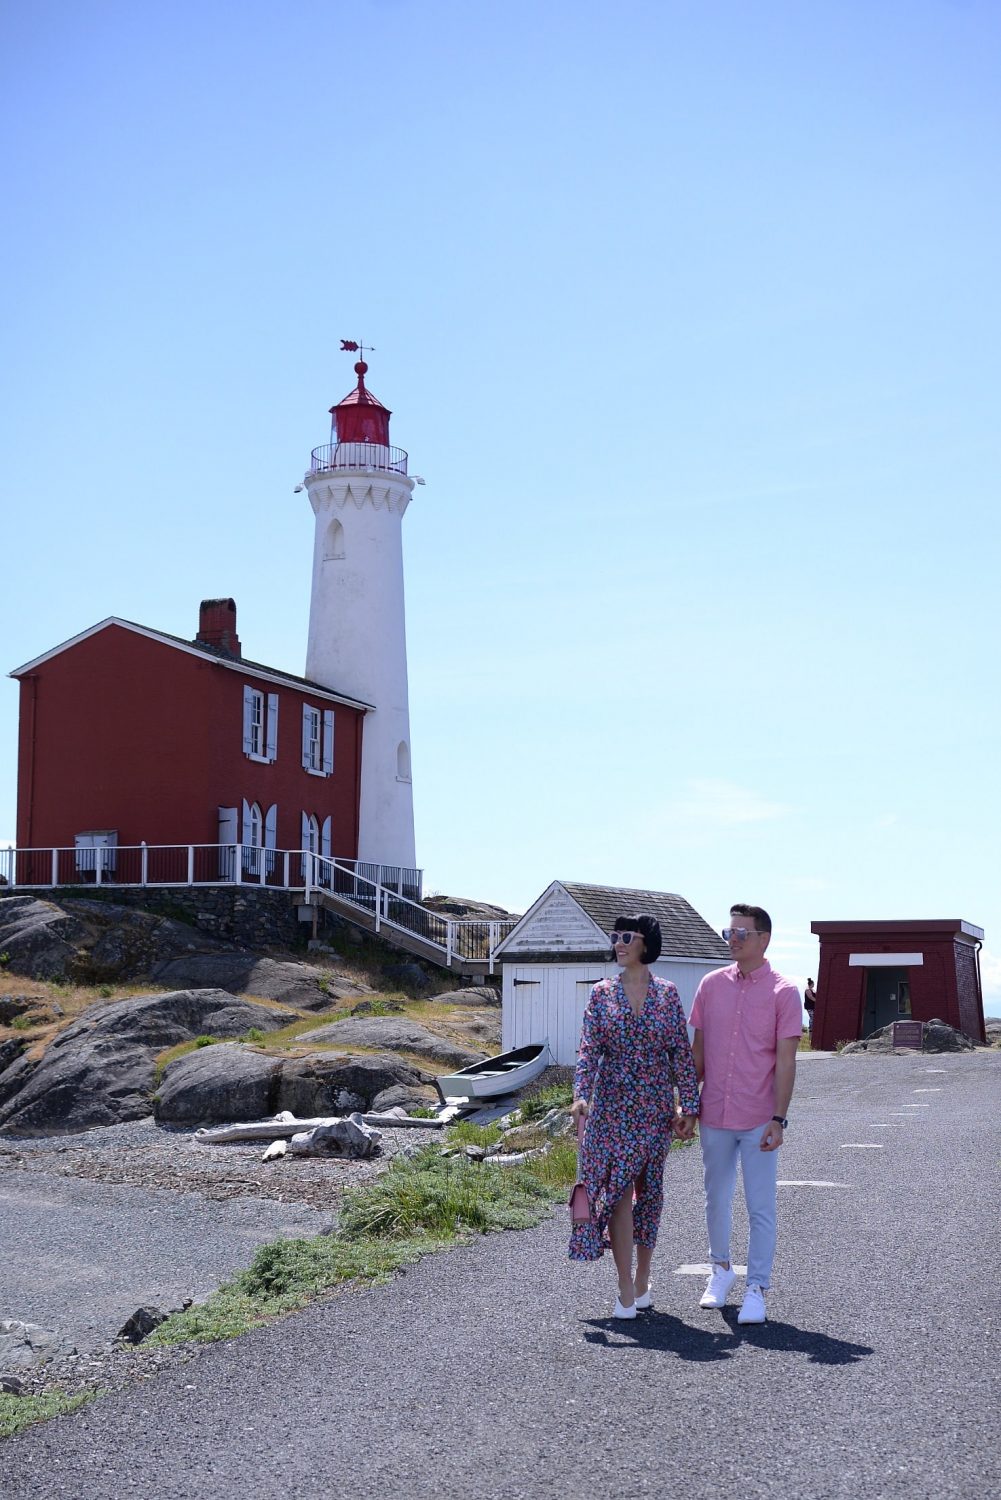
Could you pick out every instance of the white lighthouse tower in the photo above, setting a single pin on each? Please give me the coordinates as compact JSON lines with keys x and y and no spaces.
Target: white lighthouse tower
{"x":359,"y":489}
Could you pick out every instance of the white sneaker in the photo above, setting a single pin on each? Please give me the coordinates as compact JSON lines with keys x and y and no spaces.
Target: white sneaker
{"x":644,"y":1300}
{"x":752,"y":1309}
{"x":624,"y":1312}
{"x":718,"y":1286}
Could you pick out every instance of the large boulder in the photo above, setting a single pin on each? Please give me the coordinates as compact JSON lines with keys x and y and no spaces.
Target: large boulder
{"x":224,"y":1083}
{"x":100,"y":1069}
{"x":396,"y":1034}
{"x":478,"y":995}
{"x":304,"y":985}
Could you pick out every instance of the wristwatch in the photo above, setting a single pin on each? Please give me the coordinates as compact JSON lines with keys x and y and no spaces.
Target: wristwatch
{"x":779,"y":1121}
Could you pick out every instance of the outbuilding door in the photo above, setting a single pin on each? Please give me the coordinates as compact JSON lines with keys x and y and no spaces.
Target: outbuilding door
{"x":887,"y":998}
{"x":548,"y":1000}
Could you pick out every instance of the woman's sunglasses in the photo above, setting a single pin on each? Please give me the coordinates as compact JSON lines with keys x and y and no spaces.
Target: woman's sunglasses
{"x":624,"y":937}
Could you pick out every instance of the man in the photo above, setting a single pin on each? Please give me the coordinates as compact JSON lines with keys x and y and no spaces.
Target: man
{"x":748,"y":1022}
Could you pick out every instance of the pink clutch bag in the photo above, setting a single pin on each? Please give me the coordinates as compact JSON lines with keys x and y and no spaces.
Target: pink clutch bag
{"x":580,"y":1206}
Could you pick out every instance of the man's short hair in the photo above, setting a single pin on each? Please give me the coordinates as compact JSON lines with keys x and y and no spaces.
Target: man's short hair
{"x":762,"y":920}
{"x":649,"y":929}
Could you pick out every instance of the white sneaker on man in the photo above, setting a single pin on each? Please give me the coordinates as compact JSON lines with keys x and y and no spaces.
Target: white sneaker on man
{"x":752,"y":1309}
{"x":718,"y":1286}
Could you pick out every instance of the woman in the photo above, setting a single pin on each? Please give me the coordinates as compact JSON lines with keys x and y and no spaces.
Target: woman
{"x":634,"y":1050}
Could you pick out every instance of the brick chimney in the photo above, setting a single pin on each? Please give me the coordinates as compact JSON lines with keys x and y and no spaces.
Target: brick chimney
{"x":217,"y":626}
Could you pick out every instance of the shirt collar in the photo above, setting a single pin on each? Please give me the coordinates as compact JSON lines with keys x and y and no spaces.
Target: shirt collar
{"x":761,"y":972}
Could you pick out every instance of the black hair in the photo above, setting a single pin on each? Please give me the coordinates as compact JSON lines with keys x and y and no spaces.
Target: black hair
{"x":758,"y":915}
{"x":648,"y":927}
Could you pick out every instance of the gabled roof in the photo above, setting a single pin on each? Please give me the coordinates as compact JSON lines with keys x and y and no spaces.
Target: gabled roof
{"x":685,"y":933}
{"x":215,"y":654}
{"x":585,"y":914}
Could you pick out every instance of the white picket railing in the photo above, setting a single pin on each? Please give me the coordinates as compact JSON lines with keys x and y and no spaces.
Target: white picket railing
{"x":388,"y":894}
{"x":180,"y":864}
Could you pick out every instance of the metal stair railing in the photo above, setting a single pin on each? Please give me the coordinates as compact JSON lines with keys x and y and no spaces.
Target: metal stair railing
{"x":459,"y":940}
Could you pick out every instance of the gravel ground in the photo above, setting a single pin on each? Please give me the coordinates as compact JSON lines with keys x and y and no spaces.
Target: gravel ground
{"x":146,"y":1155}
{"x":98,"y":1224}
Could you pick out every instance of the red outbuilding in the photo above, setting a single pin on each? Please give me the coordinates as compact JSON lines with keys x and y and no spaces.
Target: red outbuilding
{"x":873,"y":973}
{"x":130,"y":737}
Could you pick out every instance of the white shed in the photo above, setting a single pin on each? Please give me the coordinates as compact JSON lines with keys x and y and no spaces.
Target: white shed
{"x":558,"y":951}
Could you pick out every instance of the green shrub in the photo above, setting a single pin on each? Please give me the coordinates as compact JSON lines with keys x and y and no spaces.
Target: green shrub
{"x":22,"y":1023}
{"x":556,"y":1096}
{"x":255,"y":1034}
{"x":206,"y":1041}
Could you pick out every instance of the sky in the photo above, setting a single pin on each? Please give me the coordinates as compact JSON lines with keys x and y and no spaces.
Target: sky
{"x":688,"y":313}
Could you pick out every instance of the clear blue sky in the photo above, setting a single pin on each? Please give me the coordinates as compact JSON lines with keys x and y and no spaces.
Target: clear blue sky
{"x":687,"y":311}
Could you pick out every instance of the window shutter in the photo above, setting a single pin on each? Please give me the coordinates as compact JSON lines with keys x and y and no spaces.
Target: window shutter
{"x":305,"y":832}
{"x":307,"y":715}
{"x":248,"y":719}
{"x":248,"y":835}
{"x":325,"y":838}
{"x":328,"y":741}
{"x":271,"y":826}
{"x":272,"y":726}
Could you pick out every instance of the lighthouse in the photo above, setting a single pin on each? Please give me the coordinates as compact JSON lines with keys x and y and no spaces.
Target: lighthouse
{"x":359,"y":489}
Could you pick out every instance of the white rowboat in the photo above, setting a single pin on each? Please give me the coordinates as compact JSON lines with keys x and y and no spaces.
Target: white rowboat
{"x":494,"y":1076}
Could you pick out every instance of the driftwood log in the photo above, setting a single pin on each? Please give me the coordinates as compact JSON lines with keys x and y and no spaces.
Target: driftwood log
{"x":273,"y":1130}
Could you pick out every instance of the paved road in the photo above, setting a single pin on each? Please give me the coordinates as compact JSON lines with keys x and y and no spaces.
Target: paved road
{"x":495,"y":1371}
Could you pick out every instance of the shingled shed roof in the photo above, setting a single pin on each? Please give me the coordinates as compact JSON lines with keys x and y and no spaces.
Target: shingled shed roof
{"x":685,"y":933}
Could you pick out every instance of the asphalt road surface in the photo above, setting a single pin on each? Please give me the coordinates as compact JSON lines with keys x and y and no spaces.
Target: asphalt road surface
{"x":495,"y":1371}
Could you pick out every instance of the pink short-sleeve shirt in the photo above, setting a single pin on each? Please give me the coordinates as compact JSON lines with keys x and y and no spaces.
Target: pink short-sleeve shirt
{"x":741,"y":1017}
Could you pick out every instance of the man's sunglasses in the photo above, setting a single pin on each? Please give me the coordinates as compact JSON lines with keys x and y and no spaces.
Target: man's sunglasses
{"x":740,"y":933}
{"x":624,"y":937}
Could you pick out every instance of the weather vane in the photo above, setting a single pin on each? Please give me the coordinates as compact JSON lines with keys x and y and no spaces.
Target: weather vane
{"x":349,"y":346}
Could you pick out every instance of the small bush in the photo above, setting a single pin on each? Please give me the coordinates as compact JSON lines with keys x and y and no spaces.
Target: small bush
{"x":22,"y":1023}
{"x":255,"y":1034}
{"x":105,"y":991}
{"x":556,"y":1096}
{"x":206,"y":1041}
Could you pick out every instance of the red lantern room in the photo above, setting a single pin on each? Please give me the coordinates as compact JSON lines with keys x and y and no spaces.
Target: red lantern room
{"x":360,"y":417}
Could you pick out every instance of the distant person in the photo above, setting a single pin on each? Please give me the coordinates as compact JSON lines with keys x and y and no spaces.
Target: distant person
{"x":748,"y":1023}
{"x":810,"y":1005}
{"x":634,"y":1051}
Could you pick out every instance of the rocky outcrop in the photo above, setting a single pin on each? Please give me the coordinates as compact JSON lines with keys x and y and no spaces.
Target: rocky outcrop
{"x":245,"y":973}
{"x":936,"y":1036}
{"x":89,"y":942}
{"x":100,"y":1069}
{"x":224,"y":1083}
{"x":395,"y":1035}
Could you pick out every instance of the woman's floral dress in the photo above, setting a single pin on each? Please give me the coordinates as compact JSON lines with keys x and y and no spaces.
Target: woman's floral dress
{"x":627,"y":1070}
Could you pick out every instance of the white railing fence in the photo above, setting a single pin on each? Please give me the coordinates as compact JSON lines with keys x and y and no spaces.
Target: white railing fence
{"x":388,"y":894}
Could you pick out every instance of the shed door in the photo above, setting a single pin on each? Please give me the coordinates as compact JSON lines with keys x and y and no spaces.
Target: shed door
{"x":547,"y":1000}
{"x":887,"y":998}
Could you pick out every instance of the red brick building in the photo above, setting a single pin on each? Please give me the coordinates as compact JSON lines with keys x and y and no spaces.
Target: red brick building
{"x":130,"y":736}
{"x":872,"y":973}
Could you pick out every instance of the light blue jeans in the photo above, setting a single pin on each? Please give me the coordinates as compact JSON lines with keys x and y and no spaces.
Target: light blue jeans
{"x":759,"y":1169}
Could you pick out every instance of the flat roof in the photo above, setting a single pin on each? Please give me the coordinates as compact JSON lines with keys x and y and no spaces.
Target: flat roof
{"x":886,"y":928}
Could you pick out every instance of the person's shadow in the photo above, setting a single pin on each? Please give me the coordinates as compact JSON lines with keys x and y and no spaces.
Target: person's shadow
{"x":663,"y":1331}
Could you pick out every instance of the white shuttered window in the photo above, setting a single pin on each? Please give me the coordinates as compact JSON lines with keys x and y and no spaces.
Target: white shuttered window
{"x":260,"y":724}
{"x":317,"y":740}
